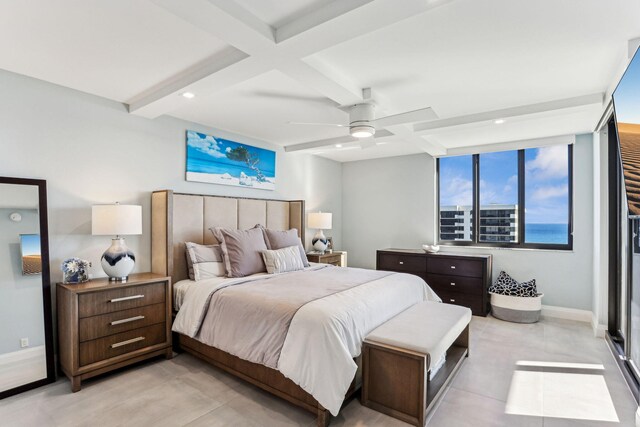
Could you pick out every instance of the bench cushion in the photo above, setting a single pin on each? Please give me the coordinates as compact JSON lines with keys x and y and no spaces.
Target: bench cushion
{"x":427,"y":327}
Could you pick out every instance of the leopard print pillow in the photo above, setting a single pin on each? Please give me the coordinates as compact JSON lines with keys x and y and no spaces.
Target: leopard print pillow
{"x":506,"y":285}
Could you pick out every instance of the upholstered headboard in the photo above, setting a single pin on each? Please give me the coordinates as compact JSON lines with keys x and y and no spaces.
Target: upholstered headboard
{"x":178,"y":218}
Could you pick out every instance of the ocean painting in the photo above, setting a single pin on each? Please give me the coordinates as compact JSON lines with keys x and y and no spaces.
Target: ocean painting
{"x":220,"y":161}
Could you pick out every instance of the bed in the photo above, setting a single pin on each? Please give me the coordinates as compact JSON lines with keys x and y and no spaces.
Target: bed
{"x":317,"y":317}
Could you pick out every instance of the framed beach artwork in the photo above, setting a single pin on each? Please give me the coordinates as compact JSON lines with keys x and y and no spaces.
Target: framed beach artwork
{"x":220,"y":161}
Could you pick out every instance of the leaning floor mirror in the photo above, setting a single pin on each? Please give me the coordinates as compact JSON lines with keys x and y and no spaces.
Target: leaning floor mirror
{"x":26,"y":337}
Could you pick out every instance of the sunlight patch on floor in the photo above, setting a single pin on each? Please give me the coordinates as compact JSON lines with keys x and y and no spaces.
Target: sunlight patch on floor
{"x":580,"y":396}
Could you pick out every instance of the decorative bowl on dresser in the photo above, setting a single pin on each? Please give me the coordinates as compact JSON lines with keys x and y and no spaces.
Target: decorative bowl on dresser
{"x":461,"y":279}
{"x":105,"y":325}
{"x":338,"y":258}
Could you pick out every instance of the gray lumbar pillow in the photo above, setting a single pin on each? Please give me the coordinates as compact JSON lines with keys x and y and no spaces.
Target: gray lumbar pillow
{"x":241,"y":250}
{"x":282,"y":260}
{"x":283,"y":239}
{"x":204,"y":261}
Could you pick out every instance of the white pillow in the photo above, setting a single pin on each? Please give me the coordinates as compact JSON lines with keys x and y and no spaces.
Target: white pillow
{"x":204,"y":261}
{"x":283,"y":260}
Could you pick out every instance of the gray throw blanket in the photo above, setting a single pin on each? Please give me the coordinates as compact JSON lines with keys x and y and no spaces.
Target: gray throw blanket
{"x":251,"y":319}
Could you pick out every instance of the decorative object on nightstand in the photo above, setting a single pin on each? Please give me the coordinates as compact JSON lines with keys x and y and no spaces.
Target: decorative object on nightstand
{"x":320,"y":221}
{"x":75,"y":270}
{"x":109,"y":220}
{"x":337,"y":258}
{"x":104,"y":326}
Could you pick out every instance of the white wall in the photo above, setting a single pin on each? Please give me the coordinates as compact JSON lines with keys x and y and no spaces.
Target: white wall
{"x":391,"y":203}
{"x":91,"y":150}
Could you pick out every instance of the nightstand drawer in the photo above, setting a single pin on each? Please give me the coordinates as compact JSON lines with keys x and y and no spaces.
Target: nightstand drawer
{"x":472,"y":301}
{"x":455,"y":267}
{"x":94,"y":327}
{"x":94,"y":303}
{"x":404,"y":263}
{"x":468,"y":285}
{"x":125,"y":342}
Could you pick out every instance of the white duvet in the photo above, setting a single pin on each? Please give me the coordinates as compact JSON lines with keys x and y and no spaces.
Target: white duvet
{"x":325,"y":335}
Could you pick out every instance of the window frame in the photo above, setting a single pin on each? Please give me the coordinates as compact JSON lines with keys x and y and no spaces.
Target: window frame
{"x":521,"y":244}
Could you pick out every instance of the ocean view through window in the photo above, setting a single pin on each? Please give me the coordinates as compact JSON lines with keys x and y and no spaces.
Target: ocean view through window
{"x":519,"y":198}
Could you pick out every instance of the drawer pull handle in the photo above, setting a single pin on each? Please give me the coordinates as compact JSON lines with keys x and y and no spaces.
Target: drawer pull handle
{"x":130,"y":319}
{"x":453,"y":267}
{"x":127,"y":342}
{"x":127,"y":298}
{"x":453,"y":283}
{"x":401,"y":262}
{"x":452,"y":300}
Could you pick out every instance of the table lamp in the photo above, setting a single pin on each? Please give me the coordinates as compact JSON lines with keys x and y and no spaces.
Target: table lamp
{"x":320,"y":221}
{"x":117,"y":220}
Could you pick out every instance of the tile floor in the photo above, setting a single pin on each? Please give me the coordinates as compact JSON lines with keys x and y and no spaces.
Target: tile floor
{"x":501,"y":384}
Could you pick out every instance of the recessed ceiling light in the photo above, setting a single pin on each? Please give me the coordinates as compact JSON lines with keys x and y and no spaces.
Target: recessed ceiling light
{"x":338,"y":145}
{"x":188,"y":95}
{"x":499,"y":121}
{"x":381,"y":143}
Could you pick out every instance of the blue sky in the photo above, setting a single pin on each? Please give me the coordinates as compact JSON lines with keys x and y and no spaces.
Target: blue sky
{"x":207,"y":148}
{"x":546,"y":195}
{"x":626,"y":97}
{"x":30,"y":244}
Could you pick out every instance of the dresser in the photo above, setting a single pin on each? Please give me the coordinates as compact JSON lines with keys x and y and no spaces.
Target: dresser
{"x":461,"y":279}
{"x":105,"y":325}
{"x":338,"y":258}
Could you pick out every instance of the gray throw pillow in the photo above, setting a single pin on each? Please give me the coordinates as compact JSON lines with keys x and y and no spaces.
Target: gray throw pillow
{"x":282,"y":260}
{"x":283,"y":239}
{"x":241,"y":250}
{"x":204,"y":261}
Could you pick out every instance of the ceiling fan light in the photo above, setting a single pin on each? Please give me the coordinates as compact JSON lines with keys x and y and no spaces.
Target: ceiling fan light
{"x":362,"y":131}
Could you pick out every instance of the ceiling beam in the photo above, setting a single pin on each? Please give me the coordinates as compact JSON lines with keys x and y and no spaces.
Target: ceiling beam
{"x":263,"y":48}
{"x":436,"y":126}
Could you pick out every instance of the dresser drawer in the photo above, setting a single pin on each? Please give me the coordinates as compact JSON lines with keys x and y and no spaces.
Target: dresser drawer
{"x":333,"y":260}
{"x":455,"y":267}
{"x":94,"y":303}
{"x":474,"y":302}
{"x":125,"y":342}
{"x":94,"y":327}
{"x":468,"y":285}
{"x":403,"y":263}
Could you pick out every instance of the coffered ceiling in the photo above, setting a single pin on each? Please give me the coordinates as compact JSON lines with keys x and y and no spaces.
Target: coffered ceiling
{"x":545,"y":68}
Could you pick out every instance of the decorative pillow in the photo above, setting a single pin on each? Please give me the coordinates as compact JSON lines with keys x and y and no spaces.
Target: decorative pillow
{"x":241,"y":250}
{"x":283,"y":239}
{"x":204,"y":261}
{"x":506,"y":285}
{"x":282,"y":260}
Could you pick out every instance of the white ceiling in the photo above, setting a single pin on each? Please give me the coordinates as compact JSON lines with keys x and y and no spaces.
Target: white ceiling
{"x":15,"y":196}
{"x":254,"y":65}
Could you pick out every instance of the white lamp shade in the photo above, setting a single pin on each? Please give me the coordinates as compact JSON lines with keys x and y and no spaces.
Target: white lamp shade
{"x":319,"y":220}
{"x":116,"y":220}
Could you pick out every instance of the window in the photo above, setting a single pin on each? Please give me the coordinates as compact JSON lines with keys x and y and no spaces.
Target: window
{"x":499,"y":197}
{"x":547,"y":195}
{"x":456,"y":198}
{"x":519,"y":198}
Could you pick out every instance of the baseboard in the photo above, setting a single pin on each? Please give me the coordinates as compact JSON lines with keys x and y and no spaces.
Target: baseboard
{"x":567,"y":313}
{"x":598,"y":329}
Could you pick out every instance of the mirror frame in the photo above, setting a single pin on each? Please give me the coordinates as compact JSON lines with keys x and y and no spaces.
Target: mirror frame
{"x":46,"y":285}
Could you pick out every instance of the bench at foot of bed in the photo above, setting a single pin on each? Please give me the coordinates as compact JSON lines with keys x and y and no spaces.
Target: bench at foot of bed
{"x":397,"y":358}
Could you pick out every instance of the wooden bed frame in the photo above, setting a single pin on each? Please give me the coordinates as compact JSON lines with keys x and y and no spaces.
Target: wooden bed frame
{"x":177,"y":218}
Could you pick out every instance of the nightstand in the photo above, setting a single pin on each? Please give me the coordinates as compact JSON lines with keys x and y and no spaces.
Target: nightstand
{"x":338,"y":258}
{"x":105,"y":325}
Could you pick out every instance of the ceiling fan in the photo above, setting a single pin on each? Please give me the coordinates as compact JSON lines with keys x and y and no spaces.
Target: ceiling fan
{"x":364,"y":124}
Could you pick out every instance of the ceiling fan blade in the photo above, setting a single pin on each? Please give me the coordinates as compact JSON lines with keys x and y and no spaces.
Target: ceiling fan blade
{"x":367,"y":143}
{"x":316,"y":124}
{"x":383,"y":133}
{"x":421,"y":115}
